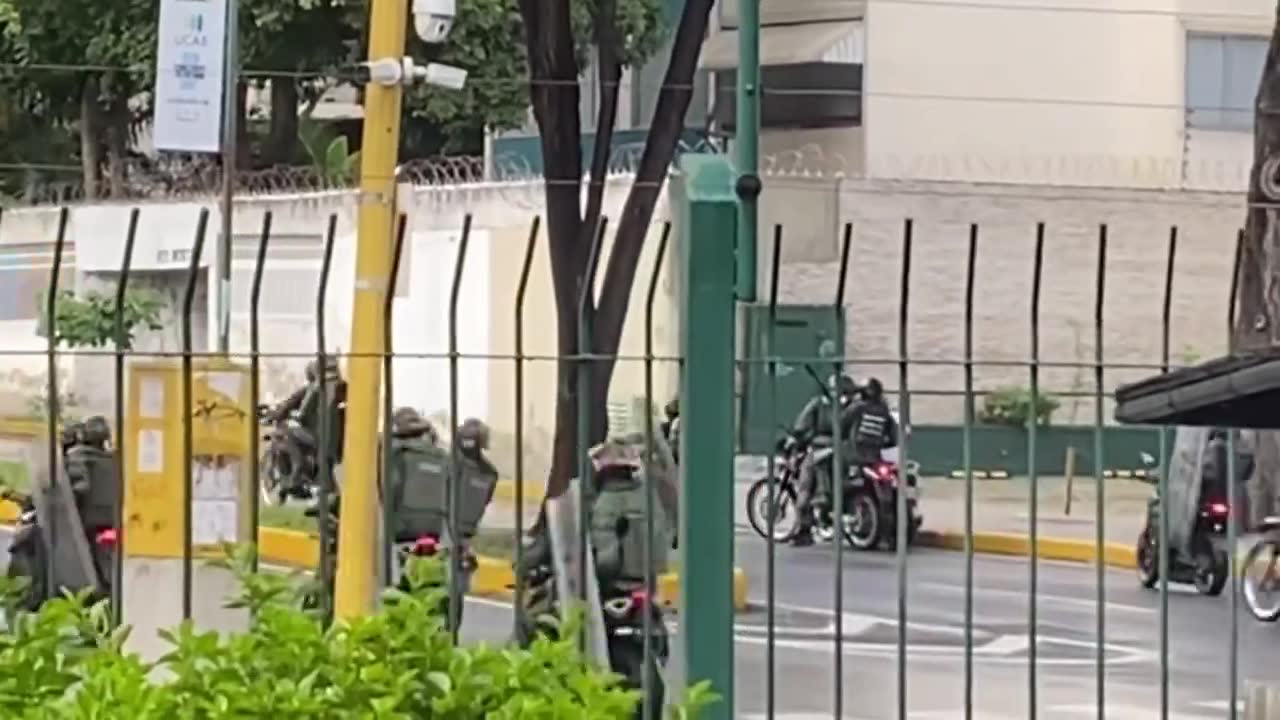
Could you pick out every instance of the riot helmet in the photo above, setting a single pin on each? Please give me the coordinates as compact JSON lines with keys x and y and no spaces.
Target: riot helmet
{"x":473,"y":437}
{"x":873,"y":390}
{"x":71,"y":435}
{"x":842,"y":387}
{"x":672,"y":408}
{"x":409,"y":423}
{"x":96,"y":432}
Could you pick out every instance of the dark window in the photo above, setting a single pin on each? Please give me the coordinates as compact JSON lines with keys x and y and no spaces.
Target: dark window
{"x":810,"y":95}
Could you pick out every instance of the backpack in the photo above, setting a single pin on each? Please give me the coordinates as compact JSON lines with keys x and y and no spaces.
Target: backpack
{"x":620,"y":557}
{"x":418,"y":490}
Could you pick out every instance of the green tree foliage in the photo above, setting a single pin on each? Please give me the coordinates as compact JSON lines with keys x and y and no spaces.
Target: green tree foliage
{"x":1014,"y":407}
{"x":90,"y":321}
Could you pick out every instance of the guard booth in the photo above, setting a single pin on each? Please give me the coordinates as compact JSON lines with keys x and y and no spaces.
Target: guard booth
{"x":1240,"y":390}
{"x":167,"y":574}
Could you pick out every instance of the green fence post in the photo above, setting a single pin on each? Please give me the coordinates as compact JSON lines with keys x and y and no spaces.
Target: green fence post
{"x":707,"y":417}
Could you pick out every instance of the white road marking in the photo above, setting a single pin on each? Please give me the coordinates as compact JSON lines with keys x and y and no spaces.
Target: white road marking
{"x":1041,"y":598}
{"x":1219,"y":705}
{"x":1124,"y":712}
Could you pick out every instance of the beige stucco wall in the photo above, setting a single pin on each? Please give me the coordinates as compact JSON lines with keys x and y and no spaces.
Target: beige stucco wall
{"x":501,"y":215}
{"x":1070,"y":92}
{"x":1138,"y":223}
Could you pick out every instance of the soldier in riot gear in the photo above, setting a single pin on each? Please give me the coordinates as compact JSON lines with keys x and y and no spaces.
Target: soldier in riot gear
{"x":308,"y":402}
{"x":816,"y":426}
{"x":93,"y":475}
{"x":872,"y":424}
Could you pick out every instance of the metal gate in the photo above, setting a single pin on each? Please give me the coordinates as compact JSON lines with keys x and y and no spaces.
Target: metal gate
{"x":937,"y":626}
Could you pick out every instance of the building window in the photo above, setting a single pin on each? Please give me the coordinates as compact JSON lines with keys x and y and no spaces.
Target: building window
{"x":806,"y":95}
{"x":1222,"y":80}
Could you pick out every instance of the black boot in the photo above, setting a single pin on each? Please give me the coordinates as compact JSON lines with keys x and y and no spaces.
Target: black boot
{"x":803,"y":538}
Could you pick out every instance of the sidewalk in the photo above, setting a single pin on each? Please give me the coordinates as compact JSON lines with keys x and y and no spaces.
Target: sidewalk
{"x":1003,"y":506}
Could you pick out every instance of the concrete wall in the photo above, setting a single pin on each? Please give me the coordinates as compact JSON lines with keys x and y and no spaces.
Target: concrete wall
{"x":1077,"y":92}
{"x":812,"y":212}
{"x":502,"y":214}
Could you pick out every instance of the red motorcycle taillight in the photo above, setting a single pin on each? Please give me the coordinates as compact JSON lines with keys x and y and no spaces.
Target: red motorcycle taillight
{"x":886,"y":472}
{"x":425,"y":546}
{"x":107,"y":538}
{"x":1219,"y":509}
{"x":639,"y":599}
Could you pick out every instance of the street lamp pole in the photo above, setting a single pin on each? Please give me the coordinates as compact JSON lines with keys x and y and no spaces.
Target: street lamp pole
{"x":747,"y":146}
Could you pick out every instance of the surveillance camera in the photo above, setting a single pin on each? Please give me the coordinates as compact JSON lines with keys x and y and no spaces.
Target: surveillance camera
{"x":433,"y":19}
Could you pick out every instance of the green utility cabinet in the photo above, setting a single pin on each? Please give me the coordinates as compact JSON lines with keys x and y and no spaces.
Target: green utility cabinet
{"x":803,"y":334}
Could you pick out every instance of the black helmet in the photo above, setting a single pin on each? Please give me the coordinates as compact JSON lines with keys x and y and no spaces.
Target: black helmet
{"x":96,"y":432}
{"x":842,"y":385}
{"x":408,"y":422}
{"x":473,"y":435}
{"x":672,"y":409}
{"x":72,"y":434}
{"x":873,"y":390}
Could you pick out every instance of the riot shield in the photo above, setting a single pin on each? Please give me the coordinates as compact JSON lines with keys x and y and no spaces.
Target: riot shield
{"x":65,"y":543}
{"x":1183,"y":474}
{"x":565,"y":536}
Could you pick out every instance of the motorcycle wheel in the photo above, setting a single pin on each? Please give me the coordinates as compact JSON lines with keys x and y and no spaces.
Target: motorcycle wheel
{"x":269,"y":479}
{"x":627,"y":658}
{"x":1148,"y":559}
{"x":1252,"y":587}
{"x":785,"y":510}
{"x":862,"y":521}
{"x":1212,"y":571}
{"x":22,"y":565}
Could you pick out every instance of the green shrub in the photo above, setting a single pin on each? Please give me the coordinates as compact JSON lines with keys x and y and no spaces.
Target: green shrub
{"x":1012,"y":406}
{"x":65,"y":663}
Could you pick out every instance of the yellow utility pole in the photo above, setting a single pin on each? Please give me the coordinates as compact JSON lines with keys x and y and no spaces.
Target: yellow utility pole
{"x":357,"y":535}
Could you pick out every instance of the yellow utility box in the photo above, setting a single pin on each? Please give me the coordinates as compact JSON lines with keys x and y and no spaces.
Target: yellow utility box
{"x":221,"y":422}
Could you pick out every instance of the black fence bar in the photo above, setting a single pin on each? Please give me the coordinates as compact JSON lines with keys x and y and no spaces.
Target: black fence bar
{"x":325,"y":515}
{"x":969,"y":276}
{"x":1099,"y":491}
{"x":904,"y":414}
{"x":1237,"y":269}
{"x":586,"y":312}
{"x":388,"y":403}
{"x":1033,"y":519}
{"x":121,"y":343}
{"x":838,"y":475}
{"x":53,"y":407}
{"x":771,"y":521}
{"x":188,"y":442}
{"x":255,"y":382}
{"x":457,"y":543}
{"x":522,"y":289}
{"x":1166,"y":318}
{"x":650,"y":582}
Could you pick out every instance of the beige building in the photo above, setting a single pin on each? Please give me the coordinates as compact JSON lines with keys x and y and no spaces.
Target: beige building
{"x":1006,"y":113}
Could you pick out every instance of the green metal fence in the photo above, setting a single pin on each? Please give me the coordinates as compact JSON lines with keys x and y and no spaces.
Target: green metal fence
{"x":711,"y":645}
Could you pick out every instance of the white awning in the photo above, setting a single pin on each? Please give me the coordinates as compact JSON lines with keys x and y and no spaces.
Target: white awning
{"x":823,"y":42}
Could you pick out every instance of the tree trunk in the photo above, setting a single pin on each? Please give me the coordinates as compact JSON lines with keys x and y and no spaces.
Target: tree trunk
{"x":553,"y":79}
{"x":555,"y":97}
{"x":665,"y":130}
{"x":117,"y":144}
{"x":284,"y":122}
{"x":1257,"y":320}
{"x":90,"y":132}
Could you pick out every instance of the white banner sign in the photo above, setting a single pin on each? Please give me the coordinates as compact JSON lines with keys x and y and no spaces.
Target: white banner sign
{"x":190,"y":53}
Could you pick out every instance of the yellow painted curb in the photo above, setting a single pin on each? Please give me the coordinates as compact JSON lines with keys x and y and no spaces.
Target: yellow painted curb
{"x":534,"y":491}
{"x":1114,"y":554}
{"x":493,"y":577}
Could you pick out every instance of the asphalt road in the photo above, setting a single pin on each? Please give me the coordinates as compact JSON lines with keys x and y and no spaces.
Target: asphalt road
{"x":1198,"y":661}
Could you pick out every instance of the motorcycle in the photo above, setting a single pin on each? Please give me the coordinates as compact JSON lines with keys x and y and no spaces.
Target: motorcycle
{"x":1206,"y":565}
{"x":286,"y":469}
{"x":625,"y":607}
{"x":870,"y":500}
{"x":27,"y":554}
